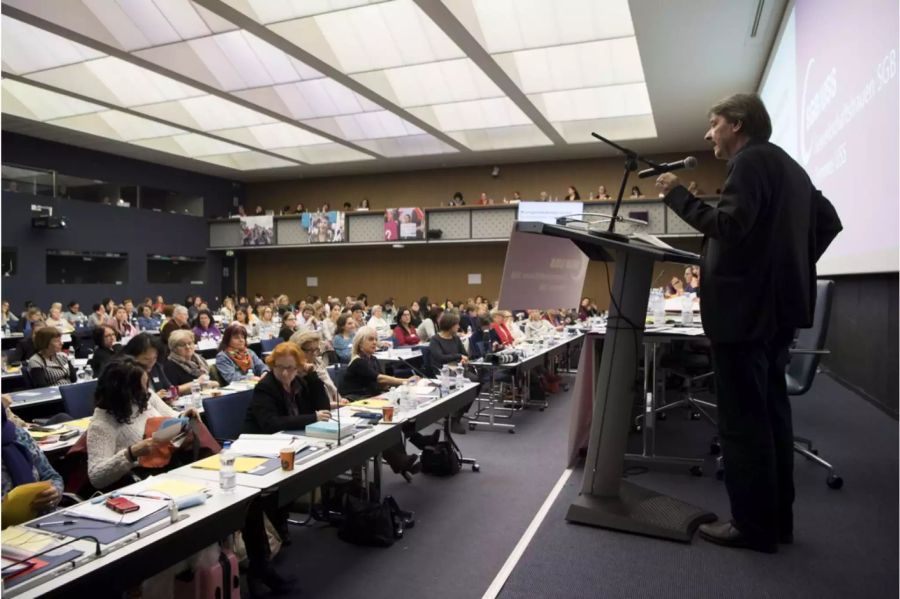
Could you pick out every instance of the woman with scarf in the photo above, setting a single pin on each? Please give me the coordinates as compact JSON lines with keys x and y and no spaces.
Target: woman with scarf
{"x":24,"y":462}
{"x":235,"y":360}
{"x":184,"y":366}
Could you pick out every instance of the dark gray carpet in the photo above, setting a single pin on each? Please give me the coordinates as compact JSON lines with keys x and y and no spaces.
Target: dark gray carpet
{"x":846,"y":541}
{"x":466,"y":527}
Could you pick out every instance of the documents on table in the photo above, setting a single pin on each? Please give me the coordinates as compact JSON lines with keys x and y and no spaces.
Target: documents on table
{"x":266,"y":446}
{"x":171,"y":488}
{"x":242,"y":464}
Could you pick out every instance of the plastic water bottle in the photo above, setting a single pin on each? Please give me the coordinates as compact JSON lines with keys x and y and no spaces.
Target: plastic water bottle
{"x":659,"y":309}
{"x":460,"y":376}
{"x":445,"y":378}
{"x":226,"y":468}
{"x":87,"y":372}
{"x":196,"y":396}
{"x":687,"y":309}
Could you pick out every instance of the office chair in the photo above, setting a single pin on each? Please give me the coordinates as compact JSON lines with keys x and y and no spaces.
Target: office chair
{"x":426,"y":362}
{"x":78,"y":398}
{"x":225,"y":414}
{"x":692,"y":369}
{"x":809,"y":347}
{"x":336,"y":373}
{"x":269,"y":344}
{"x":26,"y":376}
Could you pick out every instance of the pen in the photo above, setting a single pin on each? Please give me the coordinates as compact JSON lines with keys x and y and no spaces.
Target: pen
{"x":55,"y":523}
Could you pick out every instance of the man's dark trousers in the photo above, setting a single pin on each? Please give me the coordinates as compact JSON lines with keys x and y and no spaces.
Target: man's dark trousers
{"x":756,"y":435}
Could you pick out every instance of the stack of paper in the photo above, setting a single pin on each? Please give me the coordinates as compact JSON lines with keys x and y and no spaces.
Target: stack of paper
{"x":101,"y":513}
{"x":329,"y":429}
{"x":266,"y":446}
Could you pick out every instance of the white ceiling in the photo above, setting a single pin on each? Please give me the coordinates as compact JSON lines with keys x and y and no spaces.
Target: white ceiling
{"x":276,"y":89}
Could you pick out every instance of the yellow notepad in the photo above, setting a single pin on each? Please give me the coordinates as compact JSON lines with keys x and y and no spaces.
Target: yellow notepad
{"x":374,"y":402}
{"x":17,"y":505}
{"x":38,"y":435}
{"x":26,"y":540}
{"x":175,"y":488}
{"x":241,"y":463}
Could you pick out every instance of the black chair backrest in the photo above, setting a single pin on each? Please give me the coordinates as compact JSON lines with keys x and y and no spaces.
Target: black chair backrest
{"x":78,"y":398}
{"x":427,"y":369}
{"x":26,"y":376}
{"x":268,"y":345}
{"x":337,"y":372}
{"x":802,"y":368}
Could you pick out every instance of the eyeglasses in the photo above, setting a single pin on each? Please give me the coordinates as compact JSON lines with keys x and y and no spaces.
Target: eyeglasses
{"x":285,"y":368}
{"x":310,"y":350}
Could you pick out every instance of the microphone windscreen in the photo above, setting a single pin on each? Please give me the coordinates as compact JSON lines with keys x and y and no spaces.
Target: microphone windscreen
{"x":690,"y":162}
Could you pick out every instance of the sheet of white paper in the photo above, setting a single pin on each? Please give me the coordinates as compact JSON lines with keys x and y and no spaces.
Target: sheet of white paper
{"x":98,"y":511}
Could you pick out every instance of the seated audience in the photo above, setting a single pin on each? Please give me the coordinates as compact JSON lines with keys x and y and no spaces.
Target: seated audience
{"x":513,"y":327}
{"x":675,"y":288}
{"x":536,"y":327}
{"x":49,"y":365}
{"x":498,"y":325}
{"x":364,"y":378}
{"x":266,"y":327}
{"x":227,"y":309}
{"x":205,"y":327}
{"x":307,"y":320}
{"x":241,"y":318}
{"x":98,"y":315}
{"x":329,"y":325}
{"x":193,"y":305}
{"x":55,"y":319}
{"x":104,"y":347}
{"x":291,"y":397}
{"x":416,"y":313}
{"x":405,"y":332}
{"x":636,"y":193}
{"x":343,"y":338}
{"x":148,"y":321}
{"x":146,"y":350}
{"x":428,"y":328}
{"x":288,"y":326}
{"x":9,"y":319}
{"x":184,"y":365}
{"x":178,"y":321}
{"x":586,"y":309}
{"x":24,"y":462}
{"x":572,"y":194}
{"x":25,"y":347}
{"x":310,"y":344}
{"x":32,"y":316}
{"x":75,"y":316}
{"x":159,"y":305}
{"x":235,"y":361}
{"x":121,"y":323}
{"x":602,"y":194}
{"x":115,"y":436}
{"x":447,"y":348}
{"x":377,"y":322}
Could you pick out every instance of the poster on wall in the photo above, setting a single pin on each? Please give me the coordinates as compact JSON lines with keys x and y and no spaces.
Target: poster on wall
{"x":404,"y":224}
{"x":257,"y":230}
{"x":323,"y":227}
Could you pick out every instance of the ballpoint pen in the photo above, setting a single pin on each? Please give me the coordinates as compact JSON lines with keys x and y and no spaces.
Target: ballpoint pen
{"x":54,"y":523}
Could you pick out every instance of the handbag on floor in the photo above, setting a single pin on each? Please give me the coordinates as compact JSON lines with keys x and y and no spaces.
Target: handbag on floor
{"x":373,"y":524}
{"x":441,"y":459}
{"x":219,"y":580}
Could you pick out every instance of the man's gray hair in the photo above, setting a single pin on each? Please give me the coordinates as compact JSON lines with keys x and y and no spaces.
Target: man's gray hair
{"x":179,"y":309}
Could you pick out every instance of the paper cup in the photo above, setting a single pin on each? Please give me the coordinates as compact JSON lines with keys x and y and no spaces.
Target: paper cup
{"x":287,"y":459}
{"x":387,"y":413}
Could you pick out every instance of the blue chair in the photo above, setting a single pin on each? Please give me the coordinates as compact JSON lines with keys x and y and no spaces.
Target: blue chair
{"x":78,"y":398}
{"x":225,"y":414}
{"x":269,"y":344}
{"x":336,"y":373}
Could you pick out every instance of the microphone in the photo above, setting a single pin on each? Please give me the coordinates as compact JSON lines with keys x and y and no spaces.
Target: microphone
{"x":666,"y":167}
{"x":413,"y":368}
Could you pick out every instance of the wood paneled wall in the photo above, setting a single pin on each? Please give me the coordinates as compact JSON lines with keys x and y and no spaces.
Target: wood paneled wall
{"x":438,"y":271}
{"x":431,"y":188}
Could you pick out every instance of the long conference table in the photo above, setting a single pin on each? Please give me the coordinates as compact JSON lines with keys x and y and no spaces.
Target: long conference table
{"x":127,"y":562}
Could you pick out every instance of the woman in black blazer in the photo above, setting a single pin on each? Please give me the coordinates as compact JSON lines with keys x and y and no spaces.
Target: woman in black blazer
{"x":288,"y":398}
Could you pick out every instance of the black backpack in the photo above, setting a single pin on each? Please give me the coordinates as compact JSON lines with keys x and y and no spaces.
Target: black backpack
{"x":441,"y":459}
{"x":373,"y":524}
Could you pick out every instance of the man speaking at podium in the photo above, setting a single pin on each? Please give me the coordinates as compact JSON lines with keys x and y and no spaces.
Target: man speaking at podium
{"x":761,"y":243}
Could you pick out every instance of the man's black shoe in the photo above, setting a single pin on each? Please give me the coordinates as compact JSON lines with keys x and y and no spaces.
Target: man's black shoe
{"x":725,"y":533}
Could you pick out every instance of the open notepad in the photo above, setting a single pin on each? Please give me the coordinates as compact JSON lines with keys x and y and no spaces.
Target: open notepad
{"x":101,"y":513}
{"x":266,"y":446}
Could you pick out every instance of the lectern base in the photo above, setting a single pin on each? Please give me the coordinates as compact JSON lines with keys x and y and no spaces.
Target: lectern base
{"x":640,"y":511}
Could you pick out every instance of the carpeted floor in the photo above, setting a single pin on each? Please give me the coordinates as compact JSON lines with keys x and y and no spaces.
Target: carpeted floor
{"x":467,"y":525}
{"x":846,"y":540}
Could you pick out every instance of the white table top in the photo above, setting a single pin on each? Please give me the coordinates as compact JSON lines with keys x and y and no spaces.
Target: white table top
{"x":87,"y":564}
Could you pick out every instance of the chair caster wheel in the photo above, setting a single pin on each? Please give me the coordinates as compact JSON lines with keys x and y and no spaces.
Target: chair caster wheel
{"x":720,"y":475}
{"x":512,"y":431}
{"x":476,"y":467}
{"x":695,"y":415}
{"x":661,"y":416}
{"x":696,"y":471}
{"x":715,"y":449}
{"x":834,"y":482}
{"x":471,"y":427}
